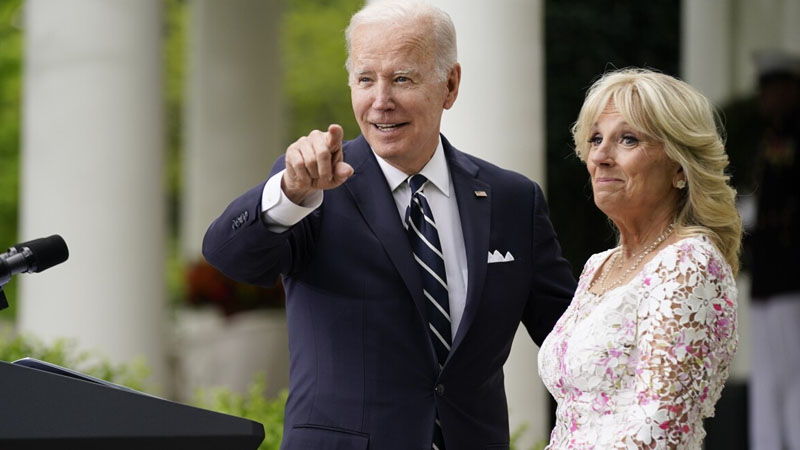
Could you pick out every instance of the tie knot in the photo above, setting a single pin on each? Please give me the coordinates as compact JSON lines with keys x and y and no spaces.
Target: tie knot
{"x":415,"y":182}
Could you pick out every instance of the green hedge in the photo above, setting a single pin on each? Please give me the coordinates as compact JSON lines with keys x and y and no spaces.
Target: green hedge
{"x":253,"y":405}
{"x":64,"y":353}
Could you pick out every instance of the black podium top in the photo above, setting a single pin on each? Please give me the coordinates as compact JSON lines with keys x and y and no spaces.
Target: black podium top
{"x":45,"y":410}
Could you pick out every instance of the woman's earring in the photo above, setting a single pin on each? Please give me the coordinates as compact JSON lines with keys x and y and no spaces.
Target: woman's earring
{"x":680,"y":184}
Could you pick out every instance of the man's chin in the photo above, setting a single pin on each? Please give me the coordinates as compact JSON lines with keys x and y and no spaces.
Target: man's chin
{"x":387,"y":151}
{"x":385,"y":146}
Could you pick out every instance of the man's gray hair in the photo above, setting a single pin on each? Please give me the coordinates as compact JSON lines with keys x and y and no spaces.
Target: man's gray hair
{"x":442,"y":35}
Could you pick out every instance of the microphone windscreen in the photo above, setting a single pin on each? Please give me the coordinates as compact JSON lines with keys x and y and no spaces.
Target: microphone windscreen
{"x":47,"y":252}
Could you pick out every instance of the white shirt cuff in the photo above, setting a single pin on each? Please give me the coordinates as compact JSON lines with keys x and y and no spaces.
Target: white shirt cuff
{"x":278,"y":211}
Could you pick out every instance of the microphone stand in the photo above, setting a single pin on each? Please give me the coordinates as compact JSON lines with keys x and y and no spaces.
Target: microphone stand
{"x":3,"y":299}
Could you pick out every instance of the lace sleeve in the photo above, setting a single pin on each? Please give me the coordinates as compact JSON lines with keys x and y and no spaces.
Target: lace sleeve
{"x":685,"y":340}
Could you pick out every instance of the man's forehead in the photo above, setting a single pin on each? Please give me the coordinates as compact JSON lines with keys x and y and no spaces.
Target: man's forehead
{"x":367,"y":65}
{"x":395,"y":28}
{"x":390,"y":39}
{"x":390,"y":58}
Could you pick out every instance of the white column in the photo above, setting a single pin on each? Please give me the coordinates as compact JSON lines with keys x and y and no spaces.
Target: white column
{"x":720,"y":37}
{"x":92,"y":172}
{"x":234,"y":126}
{"x":765,"y":24}
{"x":790,"y":31}
{"x":499,"y":116}
{"x":499,"y":113}
{"x":706,"y":54}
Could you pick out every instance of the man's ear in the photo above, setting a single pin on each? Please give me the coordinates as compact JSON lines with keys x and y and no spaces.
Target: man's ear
{"x":453,"y":81}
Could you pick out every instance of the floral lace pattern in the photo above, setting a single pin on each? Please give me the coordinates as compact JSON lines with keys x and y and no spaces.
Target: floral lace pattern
{"x":642,"y":365}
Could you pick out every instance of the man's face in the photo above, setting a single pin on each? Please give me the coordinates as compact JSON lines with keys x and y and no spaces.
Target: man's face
{"x":397,"y":97}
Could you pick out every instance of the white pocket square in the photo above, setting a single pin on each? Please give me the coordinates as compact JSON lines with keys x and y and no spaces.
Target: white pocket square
{"x":497,"y":257}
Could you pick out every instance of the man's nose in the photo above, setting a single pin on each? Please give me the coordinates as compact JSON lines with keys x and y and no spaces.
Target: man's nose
{"x":384,"y":96}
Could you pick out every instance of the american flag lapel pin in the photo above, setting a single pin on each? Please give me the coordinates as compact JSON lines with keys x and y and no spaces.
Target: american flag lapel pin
{"x":481,"y":194}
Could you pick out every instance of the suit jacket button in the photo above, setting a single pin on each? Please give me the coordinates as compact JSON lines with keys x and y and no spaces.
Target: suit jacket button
{"x":439,"y":389}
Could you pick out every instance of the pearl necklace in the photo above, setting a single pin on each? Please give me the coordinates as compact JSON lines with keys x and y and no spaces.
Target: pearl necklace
{"x":608,"y":267}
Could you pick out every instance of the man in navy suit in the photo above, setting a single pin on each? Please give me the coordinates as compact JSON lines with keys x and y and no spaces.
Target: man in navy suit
{"x":332,"y":219}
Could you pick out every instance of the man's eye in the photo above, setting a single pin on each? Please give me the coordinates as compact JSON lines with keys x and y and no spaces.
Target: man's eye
{"x":363,"y":80}
{"x":401,"y":79}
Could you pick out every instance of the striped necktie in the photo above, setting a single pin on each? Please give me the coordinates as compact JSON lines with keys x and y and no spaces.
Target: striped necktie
{"x":427,"y":250}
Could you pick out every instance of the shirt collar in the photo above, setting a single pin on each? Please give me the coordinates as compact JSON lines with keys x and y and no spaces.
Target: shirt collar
{"x":435,"y":171}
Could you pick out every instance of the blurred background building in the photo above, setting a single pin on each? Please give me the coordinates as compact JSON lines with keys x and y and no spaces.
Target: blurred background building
{"x":127,"y":126}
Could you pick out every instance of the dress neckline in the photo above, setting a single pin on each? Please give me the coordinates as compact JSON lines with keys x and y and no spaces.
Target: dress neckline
{"x":611,"y":251}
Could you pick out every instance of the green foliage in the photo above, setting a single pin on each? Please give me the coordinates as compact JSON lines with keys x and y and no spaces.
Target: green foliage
{"x":64,"y":353}
{"x":10,"y":100}
{"x":254,"y":406}
{"x":175,"y":17}
{"x":315,"y":79}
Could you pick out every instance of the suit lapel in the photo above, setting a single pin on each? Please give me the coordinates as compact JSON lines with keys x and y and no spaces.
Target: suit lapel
{"x":371,"y":194}
{"x":475,"y":213}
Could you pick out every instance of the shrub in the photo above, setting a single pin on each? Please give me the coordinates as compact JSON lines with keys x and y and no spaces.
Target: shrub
{"x":64,"y":353}
{"x":253,"y":405}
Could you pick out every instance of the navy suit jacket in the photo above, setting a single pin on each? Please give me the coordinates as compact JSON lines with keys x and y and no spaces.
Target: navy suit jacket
{"x":363,"y":372}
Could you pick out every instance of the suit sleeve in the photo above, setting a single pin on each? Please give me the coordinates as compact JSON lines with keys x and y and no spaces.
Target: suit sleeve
{"x":552,"y":283}
{"x":240,"y":244}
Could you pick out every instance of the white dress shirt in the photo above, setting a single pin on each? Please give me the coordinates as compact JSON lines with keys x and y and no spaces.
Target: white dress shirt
{"x":280,"y":213}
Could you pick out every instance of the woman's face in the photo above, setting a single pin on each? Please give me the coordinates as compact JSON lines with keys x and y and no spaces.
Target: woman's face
{"x":632,"y":177}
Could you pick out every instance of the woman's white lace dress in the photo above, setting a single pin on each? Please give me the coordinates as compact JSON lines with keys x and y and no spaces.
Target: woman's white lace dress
{"x":641,"y":365}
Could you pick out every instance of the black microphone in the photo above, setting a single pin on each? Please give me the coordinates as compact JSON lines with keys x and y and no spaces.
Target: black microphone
{"x":32,"y":256}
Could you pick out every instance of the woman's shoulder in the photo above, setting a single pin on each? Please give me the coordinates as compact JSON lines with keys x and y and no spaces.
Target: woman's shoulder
{"x":695,"y":254}
{"x":698,"y":248}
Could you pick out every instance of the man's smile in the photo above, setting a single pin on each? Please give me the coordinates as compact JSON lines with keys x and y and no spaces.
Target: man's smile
{"x":385,"y":127}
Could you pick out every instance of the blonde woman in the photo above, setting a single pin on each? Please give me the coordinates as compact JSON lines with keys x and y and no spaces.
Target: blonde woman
{"x":641,"y":355}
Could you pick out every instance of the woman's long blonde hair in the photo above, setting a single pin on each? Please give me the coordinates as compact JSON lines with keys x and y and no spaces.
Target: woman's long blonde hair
{"x":675,"y":114}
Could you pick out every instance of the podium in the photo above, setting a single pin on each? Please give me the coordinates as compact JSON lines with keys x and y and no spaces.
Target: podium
{"x":45,"y":410}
